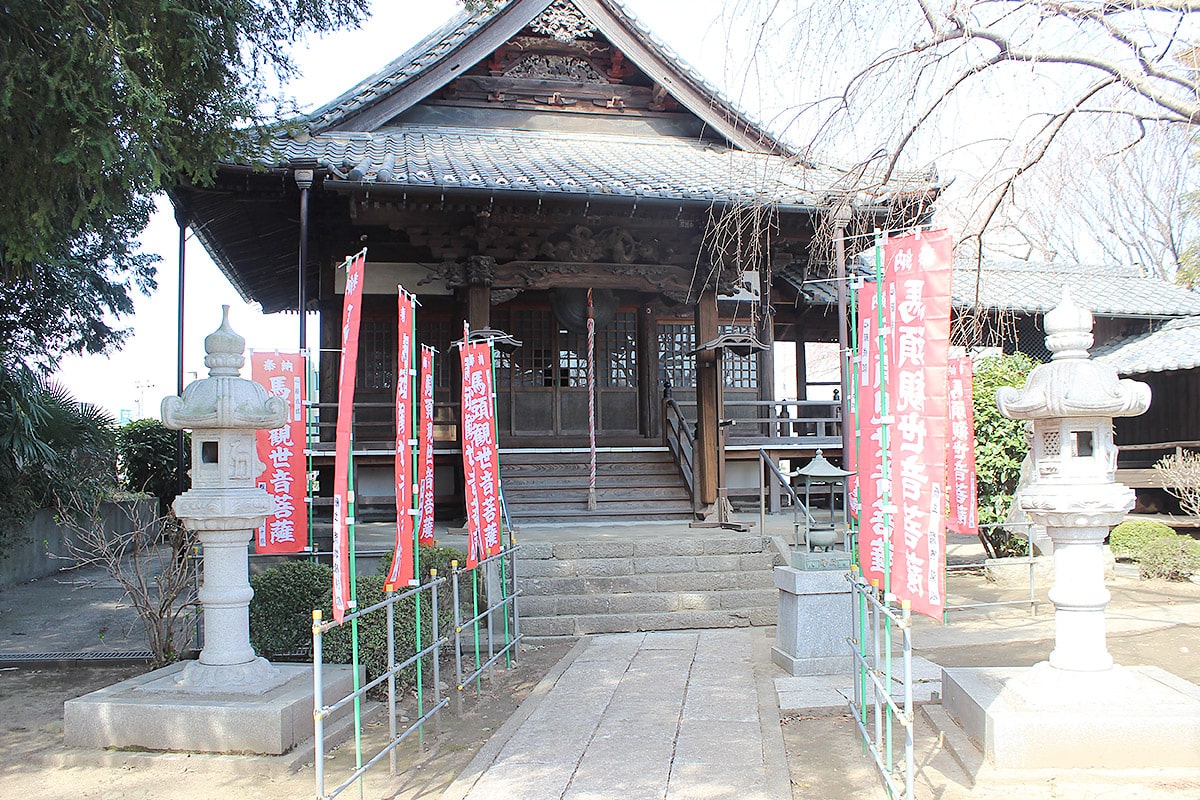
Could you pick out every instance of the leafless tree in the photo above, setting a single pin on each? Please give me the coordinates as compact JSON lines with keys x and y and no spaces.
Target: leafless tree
{"x":986,"y":89}
{"x":150,"y":562}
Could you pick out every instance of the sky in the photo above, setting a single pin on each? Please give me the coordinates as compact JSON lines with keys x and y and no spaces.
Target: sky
{"x":132,"y":382}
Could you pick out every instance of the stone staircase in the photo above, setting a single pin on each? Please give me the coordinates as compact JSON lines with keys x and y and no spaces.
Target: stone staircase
{"x":716,"y":579}
{"x":632,"y":484}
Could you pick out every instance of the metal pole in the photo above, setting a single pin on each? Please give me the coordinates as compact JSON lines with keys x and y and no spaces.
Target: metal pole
{"x":458,"y":675}
{"x":318,"y":705}
{"x":437,"y":655}
{"x":304,"y":180}
{"x":910,"y":722}
{"x":391,"y":681}
{"x":180,"y":453}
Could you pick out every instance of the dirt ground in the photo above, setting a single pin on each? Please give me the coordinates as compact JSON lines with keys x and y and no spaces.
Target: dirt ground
{"x":34,"y":763}
{"x":824,"y":754}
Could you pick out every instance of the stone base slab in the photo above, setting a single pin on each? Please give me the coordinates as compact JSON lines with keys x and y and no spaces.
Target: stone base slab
{"x":814,"y":621}
{"x":1042,"y":717}
{"x":140,"y":713}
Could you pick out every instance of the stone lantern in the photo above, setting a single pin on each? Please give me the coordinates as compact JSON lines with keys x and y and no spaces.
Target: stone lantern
{"x":224,"y":506}
{"x":1070,"y":403}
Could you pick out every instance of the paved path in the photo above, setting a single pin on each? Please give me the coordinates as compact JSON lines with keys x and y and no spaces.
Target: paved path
{"x":686,"y":715}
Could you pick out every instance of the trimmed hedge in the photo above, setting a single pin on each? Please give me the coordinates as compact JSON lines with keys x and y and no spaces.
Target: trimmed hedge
{"x":1173,"y":558}
{"x":1131,"y":538}
{"x":281,"y":610}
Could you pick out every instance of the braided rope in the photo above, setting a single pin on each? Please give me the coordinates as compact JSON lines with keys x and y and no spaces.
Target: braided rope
{"x":591,"y":378}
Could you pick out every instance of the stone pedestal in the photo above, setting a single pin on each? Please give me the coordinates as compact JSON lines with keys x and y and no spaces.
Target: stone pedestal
{"x":154,"y":712}
{"x":814,"y":621}
{"x":1045,"y":717}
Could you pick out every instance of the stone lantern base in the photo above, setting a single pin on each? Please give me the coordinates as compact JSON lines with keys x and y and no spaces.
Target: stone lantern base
{"x":154,"y":712}
{"x":1043,"y":717}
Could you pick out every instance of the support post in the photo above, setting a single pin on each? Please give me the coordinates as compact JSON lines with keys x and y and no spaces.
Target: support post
{"x":708,"y":388}
{"x":842,"y":217}
{"x":180,"y":452}
{"x":304,"y":180}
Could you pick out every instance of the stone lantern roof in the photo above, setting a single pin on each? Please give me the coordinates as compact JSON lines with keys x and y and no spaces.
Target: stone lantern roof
{"x":224,"y":399}
{"x":1072,"y":385}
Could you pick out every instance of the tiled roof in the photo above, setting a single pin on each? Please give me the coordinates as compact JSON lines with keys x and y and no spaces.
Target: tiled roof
{"x":464,"y":27}
{"x":1108,"y":290}
{"x":1174,"y":346}
{"x":574,"y":164}
{"x":429,"y":50}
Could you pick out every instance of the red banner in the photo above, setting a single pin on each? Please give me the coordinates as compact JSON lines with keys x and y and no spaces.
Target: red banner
{"x":351,"y":314}
{"x":873,"y":539}
{"x":401,"y":573}
{"x":960,"y":455}
{"x":281,"y":451}
{"x":481,"y":456}
{"x":425,"y":450}
{"x":918,"y":271}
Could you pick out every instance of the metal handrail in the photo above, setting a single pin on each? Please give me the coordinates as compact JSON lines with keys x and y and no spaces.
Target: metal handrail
{"x":681,"y":441}
{"x":787,"y":486}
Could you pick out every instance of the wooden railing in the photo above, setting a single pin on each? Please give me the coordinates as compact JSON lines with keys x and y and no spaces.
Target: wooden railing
{"x":680,"y":438}
{"x":780,"y":423}
{"x":375,"y":423}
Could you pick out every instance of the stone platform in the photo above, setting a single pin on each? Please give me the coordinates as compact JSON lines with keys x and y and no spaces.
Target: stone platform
{"x":1041,"y":717}
{"x":814,"y":622}
{"x":148,"y":712}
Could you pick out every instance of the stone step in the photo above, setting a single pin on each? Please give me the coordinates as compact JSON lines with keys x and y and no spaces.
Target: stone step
{"x":643,"y":565}
{"x":699,"y":545}
{"x":581,"y":625}
{"x":626,"y":584}
{"x":647,"y":602}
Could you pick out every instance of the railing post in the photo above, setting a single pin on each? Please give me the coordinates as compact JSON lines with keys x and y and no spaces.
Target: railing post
{"x":391,"y":682}
{"x":458,"y":674}
{"x":437,"y":656}
{"x":318,"y":706}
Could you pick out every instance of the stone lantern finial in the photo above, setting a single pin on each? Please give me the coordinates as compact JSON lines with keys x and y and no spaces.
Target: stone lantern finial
{"x":223,"y":349}
{"x":1068,"y":329}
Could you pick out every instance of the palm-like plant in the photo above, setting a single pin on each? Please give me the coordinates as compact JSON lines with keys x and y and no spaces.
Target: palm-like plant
{"x":51,"y":446}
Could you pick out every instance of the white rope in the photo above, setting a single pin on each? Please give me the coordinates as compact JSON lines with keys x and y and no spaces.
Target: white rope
{"x":591,"y":378}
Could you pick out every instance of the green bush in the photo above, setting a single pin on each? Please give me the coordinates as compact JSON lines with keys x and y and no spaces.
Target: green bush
{"x":281,"y":610}
{"x":999,"y":441}
{"x":372,"y":630}
{"x":146,"y":451}
{"x":1173,"y":558}
{"x":1131,"y":538}
{"x":440,"y":558}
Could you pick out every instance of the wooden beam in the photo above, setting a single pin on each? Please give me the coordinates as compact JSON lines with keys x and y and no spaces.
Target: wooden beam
{"x":479,"y":307}
{"x":708,"y":399}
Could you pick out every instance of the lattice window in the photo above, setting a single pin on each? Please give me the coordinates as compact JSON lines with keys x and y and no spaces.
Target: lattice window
{"x":676,"y":341}
{"x":376,"y":354}
{"x":531,"y":364}
{"x":437,"y":333}
{"x":1051,"y":443}
{"x":616,"y":353}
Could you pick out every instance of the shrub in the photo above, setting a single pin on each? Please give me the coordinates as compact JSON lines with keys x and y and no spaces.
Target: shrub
{"x":439,"y":558}
{"x":281,"y":610}
{"x":372,"y":630}
{"x":146,"y":451}
{"x":1180,"y":476}
{"x":1131,"y":538}
{"x":1000,"y":442}
{"x":1173,"y":558}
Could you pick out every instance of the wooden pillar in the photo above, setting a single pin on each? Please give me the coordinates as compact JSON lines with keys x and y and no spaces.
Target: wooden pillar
{"x":766,"y":335}
{"x":649,"y":394}
{"x":329,"y":307}
{"x":708,"y":399}
{"x":801,"y":363}
{"x":479,"y":307}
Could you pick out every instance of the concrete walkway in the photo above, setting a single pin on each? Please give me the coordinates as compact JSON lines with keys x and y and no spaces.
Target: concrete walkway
{"x":687,"y":715}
